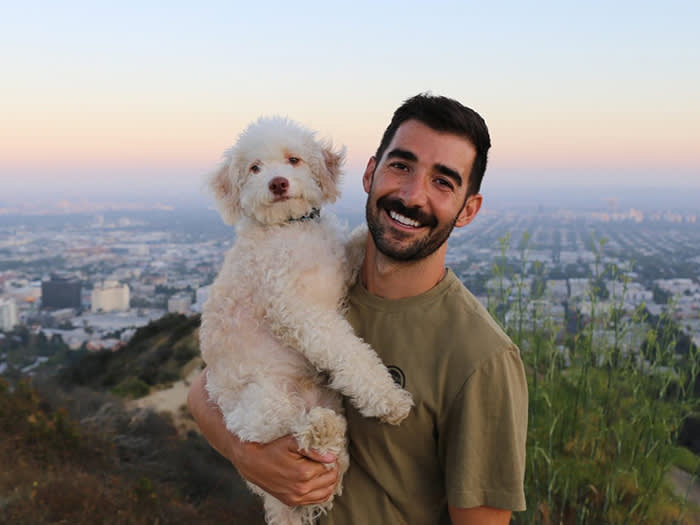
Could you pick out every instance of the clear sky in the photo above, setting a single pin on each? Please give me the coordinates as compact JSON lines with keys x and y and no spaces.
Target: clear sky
{"x":143,"y":97}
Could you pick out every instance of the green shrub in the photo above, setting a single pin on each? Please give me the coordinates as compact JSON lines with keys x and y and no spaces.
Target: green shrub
{"x":685,"y":460}
{"x":131,"y":387}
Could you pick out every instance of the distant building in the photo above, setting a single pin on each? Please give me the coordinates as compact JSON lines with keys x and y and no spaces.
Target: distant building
{"x":579,"y":287}
{"x":632,"y":294}
{"x":202,"y":295}
{"x":538,"y":314}
{"x":110,"y":296}
{"x":180,"y":303}
{"x":73,"y":338}
{"x":8,"y":314}
{"x":139,"y":249}
{"x":557,"y":290}
{"x":62,"y":315}
{"x":60,"y":292}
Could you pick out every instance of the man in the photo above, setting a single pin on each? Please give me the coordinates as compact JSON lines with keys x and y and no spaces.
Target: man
{"x":460,"y":455}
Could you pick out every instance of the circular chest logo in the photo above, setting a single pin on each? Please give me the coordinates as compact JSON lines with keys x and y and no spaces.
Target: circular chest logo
{"x":397,"y":375}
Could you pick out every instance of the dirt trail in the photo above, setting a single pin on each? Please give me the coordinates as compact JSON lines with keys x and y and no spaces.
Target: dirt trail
{"x":172,"y":400}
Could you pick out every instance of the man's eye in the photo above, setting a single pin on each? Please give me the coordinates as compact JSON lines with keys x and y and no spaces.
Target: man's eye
{"x":255,"y":168}
{"x":399,"y":166}
{"x":444,"y":182}
{"x":294,"y":160}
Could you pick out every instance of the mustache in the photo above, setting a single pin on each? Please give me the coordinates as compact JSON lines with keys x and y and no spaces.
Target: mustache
{"x":415,"y":213}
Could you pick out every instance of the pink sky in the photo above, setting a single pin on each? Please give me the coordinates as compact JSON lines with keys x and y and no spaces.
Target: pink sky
{"x":149,"y":98}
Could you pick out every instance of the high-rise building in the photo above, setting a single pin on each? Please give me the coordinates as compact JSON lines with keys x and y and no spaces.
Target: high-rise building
{"x":60,"y":292}
{"x":110,"y":296}
{"x":8,"y":314}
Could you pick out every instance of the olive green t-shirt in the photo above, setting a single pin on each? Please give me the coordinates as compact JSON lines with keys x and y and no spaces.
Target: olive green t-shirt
{"x":464,"y":441}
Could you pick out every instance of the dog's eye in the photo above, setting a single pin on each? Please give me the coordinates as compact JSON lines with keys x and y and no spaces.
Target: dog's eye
{"x":294,"y":160}
{"x":255,"y":168}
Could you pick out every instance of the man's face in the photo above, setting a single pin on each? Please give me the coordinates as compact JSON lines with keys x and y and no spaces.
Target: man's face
{"x":417,"y":191}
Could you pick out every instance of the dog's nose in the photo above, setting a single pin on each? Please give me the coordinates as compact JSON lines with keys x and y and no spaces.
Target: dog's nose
{"x":278,"y":185}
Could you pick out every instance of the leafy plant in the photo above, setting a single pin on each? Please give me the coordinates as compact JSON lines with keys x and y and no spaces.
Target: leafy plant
{"x":604,"y":413}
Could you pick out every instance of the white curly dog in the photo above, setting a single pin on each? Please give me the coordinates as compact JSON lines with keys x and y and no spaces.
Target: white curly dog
{"x":278,"y":350}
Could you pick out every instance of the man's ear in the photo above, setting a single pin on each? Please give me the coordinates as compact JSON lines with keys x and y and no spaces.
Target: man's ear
{"x":469,"y":210}
{"x":369,"y":174}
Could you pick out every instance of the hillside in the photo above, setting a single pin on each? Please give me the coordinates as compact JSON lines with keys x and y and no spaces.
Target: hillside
{"x":154,"y":357}
{"x":603,"y":433}
{"x":78,"y":448}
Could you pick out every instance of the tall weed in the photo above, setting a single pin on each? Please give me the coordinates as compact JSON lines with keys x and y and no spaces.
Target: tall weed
{"x":605,"y":409}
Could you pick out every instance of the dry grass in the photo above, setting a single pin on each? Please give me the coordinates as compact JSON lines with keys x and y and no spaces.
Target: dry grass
{"x":57,"y":471}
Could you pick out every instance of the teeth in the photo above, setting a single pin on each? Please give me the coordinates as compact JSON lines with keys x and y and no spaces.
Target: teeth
{"x":403,"y":220}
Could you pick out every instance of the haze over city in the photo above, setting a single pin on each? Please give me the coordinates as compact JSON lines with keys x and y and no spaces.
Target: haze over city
{"x":136,"y":103}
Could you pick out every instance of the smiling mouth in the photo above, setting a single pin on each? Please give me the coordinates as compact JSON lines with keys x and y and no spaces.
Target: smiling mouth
{"x":403,"y":220}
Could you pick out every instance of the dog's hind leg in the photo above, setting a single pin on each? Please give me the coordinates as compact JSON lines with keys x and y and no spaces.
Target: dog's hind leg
{"x":323,"y":431}
{"x":261,"y":412}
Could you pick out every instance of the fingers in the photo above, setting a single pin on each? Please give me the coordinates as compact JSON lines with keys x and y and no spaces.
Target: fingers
{"x":317,"y":457}
{"x":313,"y":455}
{"x":292,"y":476}
{"x":316,"y":490}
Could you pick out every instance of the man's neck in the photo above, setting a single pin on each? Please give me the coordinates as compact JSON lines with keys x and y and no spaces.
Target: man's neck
{"x":392,"y":279}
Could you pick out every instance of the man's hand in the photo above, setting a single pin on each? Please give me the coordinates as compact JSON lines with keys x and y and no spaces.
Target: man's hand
{"x":293,"y":476}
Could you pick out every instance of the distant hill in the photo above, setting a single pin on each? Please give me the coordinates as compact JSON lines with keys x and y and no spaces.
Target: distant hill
{"x":155,"y":356}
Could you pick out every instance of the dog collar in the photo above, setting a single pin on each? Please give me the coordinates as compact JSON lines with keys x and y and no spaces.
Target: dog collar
{"x":313,"y":214}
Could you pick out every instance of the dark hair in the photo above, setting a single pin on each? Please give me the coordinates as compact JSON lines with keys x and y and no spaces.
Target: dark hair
{"x":445,"y":115}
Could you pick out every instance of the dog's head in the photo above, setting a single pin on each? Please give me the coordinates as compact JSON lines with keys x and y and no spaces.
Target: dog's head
{"x":276,"y":172}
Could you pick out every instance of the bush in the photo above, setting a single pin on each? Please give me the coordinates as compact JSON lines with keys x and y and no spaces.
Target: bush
{"x":685,"y":460}
{"x":132,"y":388}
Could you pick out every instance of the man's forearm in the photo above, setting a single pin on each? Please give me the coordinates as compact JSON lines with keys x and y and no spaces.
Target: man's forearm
{"x":294,"y":477}
{"x":210,"y":420}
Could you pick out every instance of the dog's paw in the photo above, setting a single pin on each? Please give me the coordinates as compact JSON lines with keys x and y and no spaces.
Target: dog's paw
{"x":400,"y":403}
{"x":393,"y":407}
{"x":322,"y":430}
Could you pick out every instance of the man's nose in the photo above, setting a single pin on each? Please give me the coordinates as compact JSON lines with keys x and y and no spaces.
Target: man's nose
{"x":413,"y":190}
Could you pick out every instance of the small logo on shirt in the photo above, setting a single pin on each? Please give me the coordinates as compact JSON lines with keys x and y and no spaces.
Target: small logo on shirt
{"x":397,"y":375}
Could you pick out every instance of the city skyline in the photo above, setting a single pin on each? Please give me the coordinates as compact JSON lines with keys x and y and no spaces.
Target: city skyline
{"x":138,"y":101}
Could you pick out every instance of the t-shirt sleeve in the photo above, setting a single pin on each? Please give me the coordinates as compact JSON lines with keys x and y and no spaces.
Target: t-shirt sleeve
{"x":482,"y":442}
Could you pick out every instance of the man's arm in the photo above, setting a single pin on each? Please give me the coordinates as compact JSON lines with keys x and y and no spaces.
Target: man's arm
{"x":484,"y":440}
{"x":294,"y":477}
{"x":479,"y":516}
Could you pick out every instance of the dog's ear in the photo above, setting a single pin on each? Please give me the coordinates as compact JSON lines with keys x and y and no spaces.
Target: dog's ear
{"x":223,"y":182}
{"x":330,"y":171}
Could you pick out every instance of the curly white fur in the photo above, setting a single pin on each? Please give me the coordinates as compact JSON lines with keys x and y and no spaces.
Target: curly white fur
{"x":278,"y":350}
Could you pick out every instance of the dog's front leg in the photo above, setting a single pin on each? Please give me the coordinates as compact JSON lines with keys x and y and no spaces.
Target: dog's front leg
{"x":327,"y":340}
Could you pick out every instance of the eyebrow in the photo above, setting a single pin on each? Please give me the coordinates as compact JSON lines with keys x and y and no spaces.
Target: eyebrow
{"x":402,"y":154}
{"x":441,"y":168}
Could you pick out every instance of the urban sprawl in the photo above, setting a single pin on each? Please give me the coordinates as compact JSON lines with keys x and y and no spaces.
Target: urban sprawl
{"x":93,"y":279}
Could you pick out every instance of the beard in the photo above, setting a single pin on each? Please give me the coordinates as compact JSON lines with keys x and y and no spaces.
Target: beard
{"x":393,"y":243}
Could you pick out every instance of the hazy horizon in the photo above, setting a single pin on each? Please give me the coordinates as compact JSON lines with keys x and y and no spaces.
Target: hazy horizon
{"x":132,"y":99}
{"x":496,"y":196}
